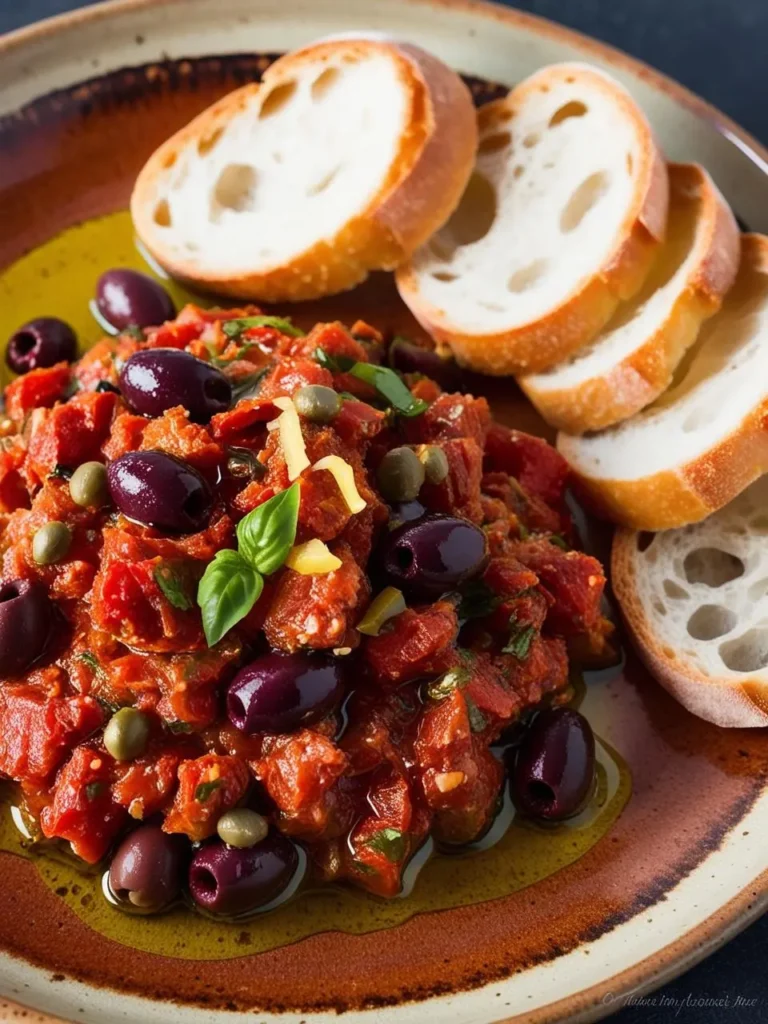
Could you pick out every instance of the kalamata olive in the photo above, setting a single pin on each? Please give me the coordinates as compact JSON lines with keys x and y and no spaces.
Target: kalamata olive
{"x":434,"y":554}
{"x":242,"y":828}
{"x":277,"y":693}
{"x":88,"y":485}
{"x":435,"y":463}
{"x":127,"y":734}
{"x":51,"y":543}
{"x":400,"y":475}
{"x":228,"y":881}
{"x":40,"y":343}
{"x":317,"y":403}
{"x":157,"y":379}
{"x":26,"y":621}
{"x":409,"y":358}
{"x":160,"y":490}
{"x":555,"y":766}
{"x":147,"y":868}
{"x":127,"y":298}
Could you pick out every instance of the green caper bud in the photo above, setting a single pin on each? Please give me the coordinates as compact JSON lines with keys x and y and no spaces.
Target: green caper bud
{"x":435,"y":463}
{"x":317,"y":403}
{"x":242,"y":828}
{"x":126,"y":734}
{"x":386,"y":605}
{"x":51,"y":543}
{"x":88,"y":485}
{"x":400,"y":475}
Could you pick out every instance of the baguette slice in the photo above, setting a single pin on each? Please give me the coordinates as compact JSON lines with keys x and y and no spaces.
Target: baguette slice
{"x":632,"y":361}
{"x":696,"y":603}
{"x":348,"y":155}
{"x":705,"y":439}
{"x":561,"y":220}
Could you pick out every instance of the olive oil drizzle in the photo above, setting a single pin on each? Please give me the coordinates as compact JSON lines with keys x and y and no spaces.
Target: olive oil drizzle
{"x":59,"y":279}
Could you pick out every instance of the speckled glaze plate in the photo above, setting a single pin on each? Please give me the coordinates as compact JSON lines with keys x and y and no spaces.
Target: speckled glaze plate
{"x":83,"y":101}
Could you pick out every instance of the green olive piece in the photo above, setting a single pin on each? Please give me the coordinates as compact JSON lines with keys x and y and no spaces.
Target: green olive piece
{"x":242,"y":828}
{"x":386,"y":605}
{"x":435,"y":463}
{"x":317,"y":403}
{"x":127,"y":734}
{"x":400,"y":475}
{"x":51,"y":543}
{"x":88,"y":485}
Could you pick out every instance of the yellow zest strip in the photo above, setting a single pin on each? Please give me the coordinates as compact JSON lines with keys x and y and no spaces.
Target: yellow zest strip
{"x":312,"y":559}
{"x":345,"y":478}
{"x":291,"y":438}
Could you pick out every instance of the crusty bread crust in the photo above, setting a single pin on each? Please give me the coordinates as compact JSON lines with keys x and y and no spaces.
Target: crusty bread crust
{"x":692,"y":491}
{"x":726,"y":702}
{"x":541,"y":344}
{"x":639,"y":378}
{"x":425,"y":182}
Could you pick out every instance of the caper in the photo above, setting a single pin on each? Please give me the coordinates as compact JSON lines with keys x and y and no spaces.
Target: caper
{"x":51,"y":543}
{"x":400,"y":475}
{"x":435,"y":463}
{"x":88,"y":485}
{"x":317,"y":403}
{"x":242,"y":828}
{"x":385,"y":606}
{"x":126,"y":734}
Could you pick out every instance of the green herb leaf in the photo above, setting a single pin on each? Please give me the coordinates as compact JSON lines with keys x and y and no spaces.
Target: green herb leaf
{"x":204,"y":790}
{"x":477,"y":601}
{"x":267,"y":534}
{"x":390,"y":842}
{"x":234,"y":328}
{"x":477,"y":720}
{"x":248,"y":386}
{"x":456,"y":679}
{"x":94,"y":789}
{"x":388,"y":384}
{"x":89,"y":658}
{"x":230,"y":587}
{"x":523,"y":530}
{"x":520,"y":640}
{"x":363,"y":868}
{"x":559,"y":541}
{"x":60,"y":472}
{"x":174,"y":586}
{"x":178,"y":727}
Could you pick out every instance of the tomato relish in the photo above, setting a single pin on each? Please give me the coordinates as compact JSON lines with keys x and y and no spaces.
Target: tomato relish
{"x":326,"y":504}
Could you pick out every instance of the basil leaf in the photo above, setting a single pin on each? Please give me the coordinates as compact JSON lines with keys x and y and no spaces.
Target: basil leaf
{"x":227,"y":592}
{"x":204,"y":790}
{"x":520,"y":640}
{"x":267,"y":534}
{"x":456,"y":679}
{"x":249,"y":385}
{"x":390,"y":842}
{"x":336,"y":364}
{"x":388,"y":384}
{"x":477,"y":720}
{"x":173,"y":586}
{"x":234,"y":328}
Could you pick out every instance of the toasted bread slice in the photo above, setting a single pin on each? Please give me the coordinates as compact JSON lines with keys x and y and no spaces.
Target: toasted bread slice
{"x":561,"y":220}
{"x":704,"y":440}
{"x":696,"y":603}
{"x":632,"y":361}
{"x":348,"y":155}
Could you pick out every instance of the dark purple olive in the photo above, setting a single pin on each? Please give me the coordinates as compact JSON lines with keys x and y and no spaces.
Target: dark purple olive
{"x":279,"y":692}
{"x":228,"y":881}
{"x":555,"y":766}
{"x":159,"y":490}
{"x":40,"y":343}
{"x":434,"y":554}
{"x":126,"y":298}
{"x":147,"y":868}
{"x":157,"y":379}
{"x":26,"y":621}
{"x":409,"y":358}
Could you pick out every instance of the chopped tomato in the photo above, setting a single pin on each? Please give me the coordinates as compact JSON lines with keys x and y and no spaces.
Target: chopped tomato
{"x":208,"y":786}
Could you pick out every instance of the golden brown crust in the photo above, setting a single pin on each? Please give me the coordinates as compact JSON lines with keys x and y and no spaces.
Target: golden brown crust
{"x":536,"y":346}
{"x":726,"y":702}
{"x":426,"y":179}
{"x":642,"y":376}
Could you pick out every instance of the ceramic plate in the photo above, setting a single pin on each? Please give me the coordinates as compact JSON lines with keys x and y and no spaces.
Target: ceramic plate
{"x":532,"y":936}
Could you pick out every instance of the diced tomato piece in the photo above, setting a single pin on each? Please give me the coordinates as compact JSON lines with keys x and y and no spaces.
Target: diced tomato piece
{"x":83,"y":811}
{"x":543,"y":670}
{"x":357,"y":423}
{"x":575,"y":581}
{"x":13,"y":491}
{"x":175,"y":434}
{"x":236,"y":426}
{"x":415,"y":644}
{"x":291,"y":374}
{"x":526,"y":512}
{"x":538,"y":466}
{"x":125,"y":436}
{"x":450,"y":417}
{"x":36,"y":389}
{"x":333,"y":338}
{"x":70,"y":434}
{"x":147,"y":785}
{"x":459,"y":493}
{"x":208,"y":787}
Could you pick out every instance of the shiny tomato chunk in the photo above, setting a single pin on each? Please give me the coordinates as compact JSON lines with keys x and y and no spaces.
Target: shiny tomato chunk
{"x":208,"y":786}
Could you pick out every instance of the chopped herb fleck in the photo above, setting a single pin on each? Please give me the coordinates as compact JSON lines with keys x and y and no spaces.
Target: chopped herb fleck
{"x":559,"y":541}
{"x":477,"y":720}
{"x":94,"y":789}
{"x":249,"y":385}
{"x":234,"y":328}
{"x":173,"y":586}
{"x":389,"y":842}
{"x":177,"y":727}
{"x":520,"y":640}
{"x":105,"y":385}
{"x":133,"y":331}
{"x":387,"y":382}
{"x":205,"y":789}
{"x":60,"y":472}
{"x":89,"y":658}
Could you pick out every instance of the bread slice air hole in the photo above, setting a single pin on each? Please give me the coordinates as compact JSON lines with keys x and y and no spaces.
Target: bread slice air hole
{"x":475,"y":214}
{"x":712,"y":566}
{"x":444,"y":275}
{"x":575,"y":108}
{"x":531,"y":139}
{"x":527,"y":277}
{"x":585,"y":198}
{"x":659,"y":607}
{"x":235,"y":188}
{"x":518,"y":172}
{"x":711,"y":621}
{"x":747,"y":653}
{"x":162,"y":214}
{"x":630,"y":164}
{"x":323,"y":84}
{"x":495,"y":143}
{"x":323,"y":183}
{"x":675,"y":591}
{"x":275,"y":100}
{"x":644,"y":540}
{"x":207,"y":142}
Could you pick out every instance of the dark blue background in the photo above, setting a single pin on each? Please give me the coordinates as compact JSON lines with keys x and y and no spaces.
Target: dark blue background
{"x":719,"y":49}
